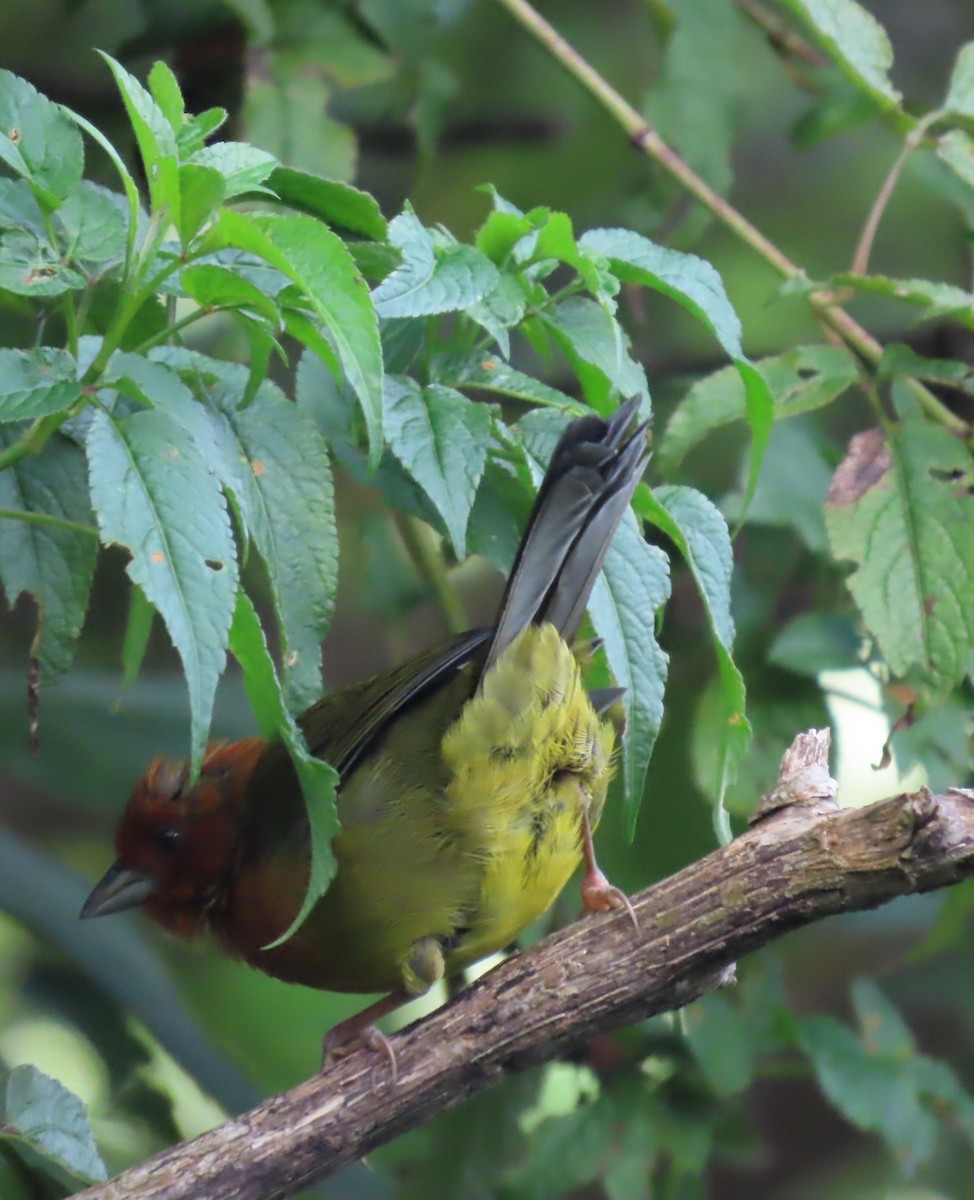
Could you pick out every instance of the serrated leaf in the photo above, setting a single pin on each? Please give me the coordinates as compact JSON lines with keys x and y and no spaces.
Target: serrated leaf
{"x":53,"y":1122}
{"x":700,"y":533}
{"x":201,"y":191}
{"x":31,"y":267}
{"x":873,"y":1091}
{"x":155,"y":138}
{"x":800,"y":380}
{"x":430,"y":280}
{"x":38,"y":141}
{"x":242,"y":167}
{"x":632,"y":588}
{"x":855,"y":41}
{"x":94,"y":222}
{"x":903,"y":511}
{"x":500,"y":310}
{"x":494,"y":375}
{"x":154,"y":493}
{"x":329,"y":200}
{"x":319,"y":781}
{"x":587,"y":333}
{"x":695,"y":284}
{"x":941,"y":299}
{"x":34,"y":383}
{"x":277,"y":464}
{"x":318,"y":262}
{"x":53,"y":564}
{"x":215,"y":286}
{"x":441,"y":438}
{"x":164,"y":89}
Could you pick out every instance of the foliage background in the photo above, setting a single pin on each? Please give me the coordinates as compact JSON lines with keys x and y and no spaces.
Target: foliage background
{"x":455,"y":97}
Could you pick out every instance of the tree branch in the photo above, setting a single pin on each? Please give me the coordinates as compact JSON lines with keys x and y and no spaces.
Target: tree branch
{"x":801,"y":860}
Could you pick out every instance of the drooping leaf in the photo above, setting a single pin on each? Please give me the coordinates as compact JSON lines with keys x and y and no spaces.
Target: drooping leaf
{"x":855,"y":41}
{"x":800,"y":380}
{"x":319,"y":781}
{"x":441,"y":438}
{"x":318,"y":262}
{"x":52,"y":563}
{"x":902,"y":509}
{"x":588,"y":334}
{"x":155,"y":494}
{"x":700,"y":533}
{"x":34,"y":383}
{"x":41,"y":1112}
{"x":330,"y":200}
{"x":38,"y":141}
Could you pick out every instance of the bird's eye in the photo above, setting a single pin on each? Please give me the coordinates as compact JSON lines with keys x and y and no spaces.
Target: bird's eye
{"x":167,"y":840}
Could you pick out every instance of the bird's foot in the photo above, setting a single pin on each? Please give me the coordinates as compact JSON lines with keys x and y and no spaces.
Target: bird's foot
{"x":598,"y":895}
{"x":342,"y":1041}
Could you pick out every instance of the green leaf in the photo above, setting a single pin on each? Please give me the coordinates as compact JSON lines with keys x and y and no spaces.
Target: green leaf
{"x":53,"y":1123}
{"x":700,"y":533}
{"x":155,"y":138}
{"x":277,"y":465}
{"x":960,"y":93}
{"x":31,"y":267}
{"x":800,"y":380}
{"x":201,"y":191}
{"x":38,"y":141}
{"x":883,"y":1029}
{"x":138,"y":628}
{"x":494,"y":375}
{"x":855,"y":41}
{"x":794,"y":481}
{"x":318,"y":262}
{"x":192,"y":136}
{"x":695,"y":102}
{"x":940,"y":299}
{"x":155,"y":494}
{"x":721,"y":1044}
{"x":430,"y":279}
{"x":587,"y":333}
{"x":319,"y":781}
{"x":903,"y":511}
{"x":329,"y":200}
{"x":500,"y":310}
{"x":94,"y":222}
{"x":53,"y":564}
{"x":164,"y":89}
{"x":441,"y":438}
{"x":633,"y":587}
{"x":695,"y":284}
{"x":215,"y":286}
{"x":815,"y":642}
{"x":242,"y":167}
{"x":19,"y":209}
{"x":34,"y":383}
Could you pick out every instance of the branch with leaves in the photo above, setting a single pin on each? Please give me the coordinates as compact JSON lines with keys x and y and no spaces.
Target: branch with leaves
{"x":801,"y":861}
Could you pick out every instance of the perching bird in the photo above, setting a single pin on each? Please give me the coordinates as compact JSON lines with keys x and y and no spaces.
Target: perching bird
{"x":472,"y":777}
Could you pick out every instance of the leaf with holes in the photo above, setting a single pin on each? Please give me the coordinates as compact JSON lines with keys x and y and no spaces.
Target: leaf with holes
{"x":902,"y":510}
{"x":155,"y":494}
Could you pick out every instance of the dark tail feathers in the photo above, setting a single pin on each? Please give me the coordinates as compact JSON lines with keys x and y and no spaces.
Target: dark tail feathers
{"x":585,"y":492}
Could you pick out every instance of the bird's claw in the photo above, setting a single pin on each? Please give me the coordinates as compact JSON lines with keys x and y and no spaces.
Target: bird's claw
{"x":598,"y":895}
{"x":340,"y":1042}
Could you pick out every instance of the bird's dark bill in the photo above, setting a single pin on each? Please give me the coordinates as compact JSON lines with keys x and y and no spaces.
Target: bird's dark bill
{"x":119,"y":888}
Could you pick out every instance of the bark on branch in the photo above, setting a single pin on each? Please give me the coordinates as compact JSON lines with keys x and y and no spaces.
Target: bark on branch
{"x":801,"y":860}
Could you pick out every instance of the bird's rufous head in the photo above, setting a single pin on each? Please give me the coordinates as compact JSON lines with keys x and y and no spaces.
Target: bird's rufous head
{"x":175,"y":840}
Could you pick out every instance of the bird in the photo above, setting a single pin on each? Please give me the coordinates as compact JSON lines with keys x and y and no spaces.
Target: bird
{"x":471,"y":779}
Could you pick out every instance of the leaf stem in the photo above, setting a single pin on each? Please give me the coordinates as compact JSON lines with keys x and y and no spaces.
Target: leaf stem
{"x":860,"y":260}
{"x":35,"y":518}
{"x":418,"y":539}
{"x":645,"y":138}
